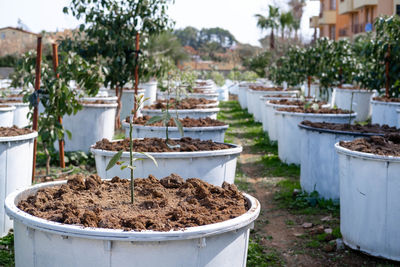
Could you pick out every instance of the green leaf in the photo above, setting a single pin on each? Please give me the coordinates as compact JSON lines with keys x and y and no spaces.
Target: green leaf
{"x":114,"y":160}
{"x":154,"y":119}
{"x":150,"y":157}
{"x":179,"y":125}
{"x":69,"y":134}
{"x":123,"y":167}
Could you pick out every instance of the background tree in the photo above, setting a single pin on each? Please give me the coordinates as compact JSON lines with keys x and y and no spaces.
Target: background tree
{"x":109,"y":30}
{"x":285,"y":21}
{"x":270,"y":22}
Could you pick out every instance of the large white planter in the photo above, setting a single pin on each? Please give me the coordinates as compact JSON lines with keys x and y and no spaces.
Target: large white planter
{"x":20,"y":113}
{"x":384,"y":112}
{"x":214,"y":133}
{"x":7,"y":116}
{"x":370,"y":202}
{"x":259,"y":102}
{"x":289,"y":141}
{"x":214,"y":97}
{"x":43,"y":243}
{"x":150,"y":90}
{"x":319,"y":160}
{"x":269,"y":120}
{"x":94,"y":122}
{"x":16,"y":160}
{"x":182,"y":113}
{"x":242,"y":94}
{"x":361,"y":103}
{"x":214,"y":167}
{"x":398,"y":118}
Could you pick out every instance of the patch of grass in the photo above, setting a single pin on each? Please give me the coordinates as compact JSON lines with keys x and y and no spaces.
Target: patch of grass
{"x":289,"y":222}
{"x":313,"y":244}
{"x":257,"y":257}
{"x":7,"y":250}
{"x":303,"y":202}
{"x":336,"y":232}
{"x":119,"y":134}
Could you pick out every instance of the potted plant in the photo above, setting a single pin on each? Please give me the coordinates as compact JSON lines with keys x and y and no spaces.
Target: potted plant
{"x":16,"y":160}
{"x":56,"y":97}
{"x":319,"y":160}
{"x":369,"y":191}
{"x":380,"y":70}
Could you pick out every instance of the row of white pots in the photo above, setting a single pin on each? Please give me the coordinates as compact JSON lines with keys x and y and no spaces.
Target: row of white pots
{"x":211,"y":96}
{"x":214,"y":133}
{"x":17,"y":115}
{"x":182,"y":113}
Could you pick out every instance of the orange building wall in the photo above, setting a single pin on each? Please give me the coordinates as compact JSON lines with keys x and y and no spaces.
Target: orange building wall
{"x":342,"y":21}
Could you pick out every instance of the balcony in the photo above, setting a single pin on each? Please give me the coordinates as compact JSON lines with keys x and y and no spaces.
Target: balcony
{"x":360,"y":28}
{"x":362,"y":3}
{"x":345,"y":7}
{"x":344,"y":32}
{"x":314,"y":22}
{"x":327,"y":17}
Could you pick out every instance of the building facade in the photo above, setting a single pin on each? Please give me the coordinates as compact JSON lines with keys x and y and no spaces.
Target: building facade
{"x":14,"y":41}
{"x":349,"y":18}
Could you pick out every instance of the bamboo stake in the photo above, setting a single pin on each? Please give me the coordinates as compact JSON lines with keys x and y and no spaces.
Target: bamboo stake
{"x":60,"y":141}
{"x":35,"y":110}
{"x":387,"y":72}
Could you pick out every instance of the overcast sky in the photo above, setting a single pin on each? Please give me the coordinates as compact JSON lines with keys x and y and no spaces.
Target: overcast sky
{"x":237,"y":16}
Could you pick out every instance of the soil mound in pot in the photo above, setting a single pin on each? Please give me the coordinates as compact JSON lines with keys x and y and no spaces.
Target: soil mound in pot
{"x":262,"y":88}
{"x":160,"y":205}
{"x":186,"y":103}
{"x":355,"y":128}
{"x":10,"y":101}
{"x":289,"y":102}
{"x":186,"y":122}
{"x":13,"y":131}
{"x":315,"y":111}
{"x":384,"y":99}
{"x":5,"y":106}
{"x":388,"y":145}
{"x":186,"y":144}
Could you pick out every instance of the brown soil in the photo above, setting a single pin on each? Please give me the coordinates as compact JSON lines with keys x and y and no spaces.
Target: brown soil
{"x":186,"y":122}
{"x":200,"y":91}
{"x":14,"y":95}
{"x":13,"y":131}
{"x":351,"y":88}
{"x":4,"y":106}
{"x":378,"y":145}
{"x":384,"y":99}
{"x":201,"y":83}
{"x":262,"y":88}
{"x":289,"y":102}
{"x":285,"y":96}
{"x":319,"y":111}
{"x":186,"y":144}
{"x":369,"y":128}
{"x":97,"y":102}
{"x":160,"y":205}
{"x":10,"y":100}
{"x":186,"y":103}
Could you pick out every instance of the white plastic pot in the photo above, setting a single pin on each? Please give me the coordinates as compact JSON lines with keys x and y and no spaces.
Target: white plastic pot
{"x":214,"y":133}
{"x":370,"y":202}
{"x":223,"y":93}
{"x":214,"y":167}
{"x":398,"y":118}
{"x":16,"y":160}
{"x":289,"y":141}
{"x":214,"y":97}
{"x":150,"y":91}
{"x":361,"y":101}
{"x":43,"y":243}
{"x":7,"y":116}
{"x":20,"y":114}
{"x":259,"y":101}
{"x":319,"y":160}
{"x":242,"y":94}
{"x":94,"y":122}
{"x":269,"y":120}
{"x":182,"y":113}
{"x":384,"y":112}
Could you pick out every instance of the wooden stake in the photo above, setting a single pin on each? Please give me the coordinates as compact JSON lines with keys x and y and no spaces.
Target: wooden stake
{"x":60,"y":141}
{"x":35,"y":110}
{"x":136,"y":73}
{"x":387,"y":72}
{"x":309,"y":85}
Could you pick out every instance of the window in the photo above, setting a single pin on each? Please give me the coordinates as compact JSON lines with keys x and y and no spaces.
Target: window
{"x":2,"y":36}
{"x":332,"y":32}
{"x":398,"y":10}
{"x":332,"y":5}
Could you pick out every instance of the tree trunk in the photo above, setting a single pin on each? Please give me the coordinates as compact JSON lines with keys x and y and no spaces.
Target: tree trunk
{"x":48,"y":159}
{"x":296,"y":34}
{"x":387,"y":85}
{"x":272,"y":41}
{"x":283,"y":33}
{"x":309,"y":85}
{"x":118,"y":92}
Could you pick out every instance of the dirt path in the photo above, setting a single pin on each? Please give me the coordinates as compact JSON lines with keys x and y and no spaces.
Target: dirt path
{"x":279,"y":230}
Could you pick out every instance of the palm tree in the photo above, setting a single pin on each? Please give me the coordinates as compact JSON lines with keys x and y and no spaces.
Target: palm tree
{"x":269,"y":23}
{"x":286,"y":20}
{"x":296,"y":28}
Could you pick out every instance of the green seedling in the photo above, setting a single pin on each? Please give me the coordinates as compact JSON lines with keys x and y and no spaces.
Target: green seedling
{"x":115,"y":160}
